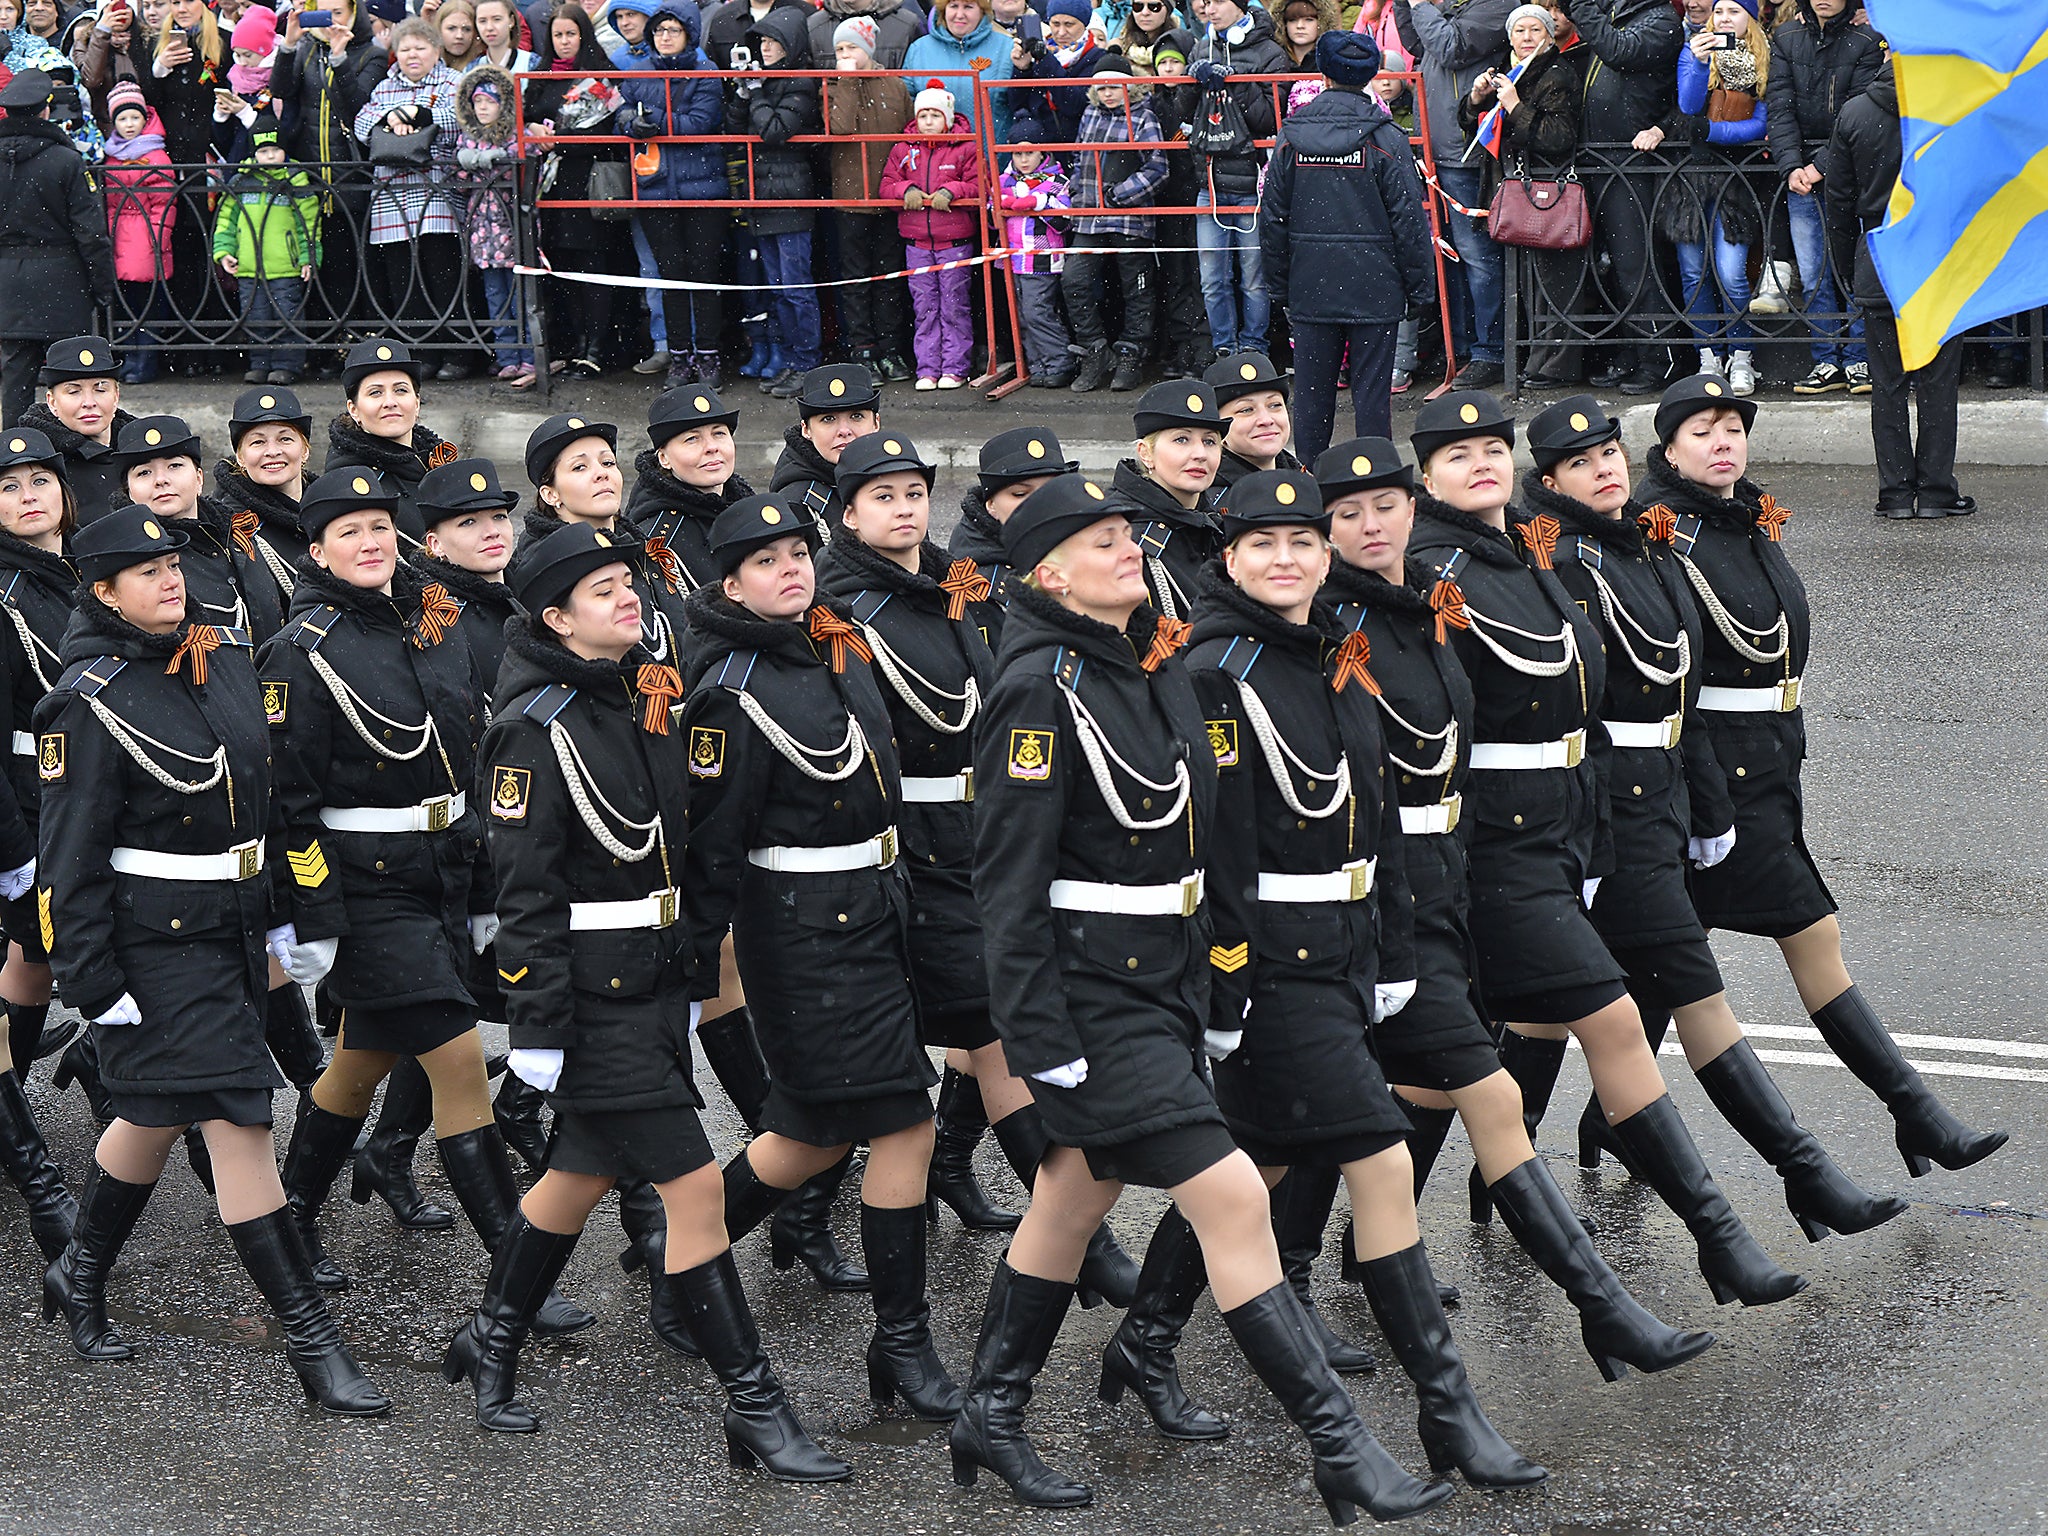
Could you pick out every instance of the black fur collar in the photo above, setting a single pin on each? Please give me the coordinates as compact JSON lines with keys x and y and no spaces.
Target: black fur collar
{"x":96,"y":630}
{"x":1353,"y":584}
{"x":1487,"y":542}
{"x":723,"y":625}
{"x":493,"y":597}
{"x":1681,"y":495}
{"x":238,"y":492}
{"x":557,"y":663}
{"x":67,"y":442}
{"x":1126,"y":645}
{"x":407,"y":461}
{"x":318,"y":585}
{"x":1222,"y":607}
{"x":978,"y":536}
{"x":657,"y":491}
{"x":1132,"y":484}
{"x":875,"y":569}
{"x":46,"y":565}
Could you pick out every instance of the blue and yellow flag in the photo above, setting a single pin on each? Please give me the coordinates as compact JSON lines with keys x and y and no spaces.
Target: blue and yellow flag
{"x":1966,"y":239}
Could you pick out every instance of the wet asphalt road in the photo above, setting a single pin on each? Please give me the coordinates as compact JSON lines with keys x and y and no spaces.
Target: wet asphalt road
{"x":1902,"y":1393}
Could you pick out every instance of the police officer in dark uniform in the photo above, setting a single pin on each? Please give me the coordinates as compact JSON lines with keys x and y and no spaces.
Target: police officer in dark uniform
{"x":1252,"y":395}
{"x":838,"y":403}
{"x":1095,"y":793}
{"x":1537,"y":837}
{"x":685,"y":480}
{"x":81,"y":413}
{"x":1012,"y":465}
{"x":380,"y":428}
{"x":156,"y":789}
{"x":794,"y":847}
{"x":1168,"y":490}
{"x":270,"y":434}
{"x":1726,"y":533}
{"x":585,"y":808}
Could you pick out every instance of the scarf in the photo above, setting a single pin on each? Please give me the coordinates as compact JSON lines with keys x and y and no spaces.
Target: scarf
{"x":136,"y":148}
{"x":248,"y":81}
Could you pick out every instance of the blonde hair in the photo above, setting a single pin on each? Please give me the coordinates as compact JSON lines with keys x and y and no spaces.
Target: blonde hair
{"x":209,"y":36}
{"x":1758,"y":42}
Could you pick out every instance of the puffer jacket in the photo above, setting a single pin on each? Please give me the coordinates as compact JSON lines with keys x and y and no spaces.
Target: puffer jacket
{"x":898,"y":24}
{"x":1631,"y":82}
{"x":269,"y":221}
{"x":958,"y":61}
{"x":675,"y":90}
{"x":142,"y":210}
{"x":489,"y":218}
{"x":776,"y":111}
{"x":929,"y":166}
{"x":1817,"y":68}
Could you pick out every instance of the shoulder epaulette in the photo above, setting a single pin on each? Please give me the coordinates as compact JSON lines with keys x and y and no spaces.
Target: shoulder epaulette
{"x":1154,"y":536}
{"x":310,"y":632}
{"x":229,"y":635}
{"x":1584,"y":550}
{"x":545,"y":705}
{"x":1685,"y":532}
{"x":89,"y":677}
{"x":1240,"y":656}
{"x":1351,"y":615}
{"x":1066,"y":665}
{"x":734,"y":671}
{"x":866,"y":605}
{"x":13,"y":582}
{"x":1448,"y":571}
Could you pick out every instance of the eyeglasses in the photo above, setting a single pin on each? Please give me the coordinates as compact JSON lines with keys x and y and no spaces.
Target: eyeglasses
{"x":1149,"y":7}
{"x":671,"y":29}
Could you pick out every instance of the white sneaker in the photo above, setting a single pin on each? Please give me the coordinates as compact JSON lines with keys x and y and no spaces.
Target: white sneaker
{"x":927,"y":383}
{"x":1741,"y":374}
{"x":1709,"y":363}
{"x":1773,"y":289}
{"x":948,"y":381}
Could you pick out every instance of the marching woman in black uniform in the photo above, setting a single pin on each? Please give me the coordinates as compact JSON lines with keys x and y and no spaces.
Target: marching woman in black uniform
{"x":837,"y":404}
{"x":80,"y":413}
{"x":1725,"y":532}
{"x":156,"y":786}
{"x":37,"y":591}
{"x":1252,"y":395}
{"x":1095,"y":794}
{"x":686,"y":479}
{"x":1435,"y":1050}
{"x":375,"y":714}
{"x":586,"y":817}
{"x":1538,"y":828}
{"x":1651,"y":632}
{"x":271,"y":435}
{"x":793,"y":847}
{"x":380,"y":429}
{"x":1011,"y":466}
{"x":1169,"y":488}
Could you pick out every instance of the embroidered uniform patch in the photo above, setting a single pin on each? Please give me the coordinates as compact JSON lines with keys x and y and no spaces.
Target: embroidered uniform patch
{"x":1223,"y":742}
{"x":50,"y":756}
{"x":1031,"y":755}
{"x":1228,"y":958}
{"x":513,"y":978}
{"x":511,"y":788}
{"x":309,"y":866}
{"x":43,"y":920}
{"x":707,"y":752}
{"x":275,"y":698}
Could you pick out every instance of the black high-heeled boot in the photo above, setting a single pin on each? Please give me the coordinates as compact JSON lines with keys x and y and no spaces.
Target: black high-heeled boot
{"x":1351,"y":1467}
{"x":646,"y":1224}
{"x":1735,"y":1267}
{"x":1018,"y":1326}
{"x":748,"y":1201}
{"x":383,"y":1165}
{"x":1139,"y":1356}
{"x":1454,"y":1429}
{"x":735,"y":1058}
{"x":961,"y":1121}
{"x":517,"y":1112}
{"x":485,"y":1350}
{"x":1596,"y":1136}
{"x":320,"y":1144}
{"x":76,"y":1281}
{"x":901,"y":1360}
{"x":80,"y":1064}
{"x":1926,"y":1132}
{"x":271,"y":1252}
{"x":760,"y":1426}
{"x":25,"y":1043}
{"x":801,"y":1232}
{"x":288,"y":1031}
{"x":1301,"y":1204}
{"x":1821,"y":1197}
{"x":197,"y":1154}
{"x":1108,"y":1273}
{"x":1534,"y":1065}
{"x":52,"y":1213}
{"x":1428,"y":1130}
{"x":480,"y":1172}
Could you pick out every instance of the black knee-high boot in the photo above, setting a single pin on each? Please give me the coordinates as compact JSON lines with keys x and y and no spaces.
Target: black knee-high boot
{"x":80,"y":1064}
{"x":480,"y":1171}
{"x":517,"y":1111}
{"x":274,"y":1256}
{"x":802,"y":1232}
{"x":735,"y":1057}
{"x":51,"y":1211}
{"x":25,"y":1023}
{"x":1107,"y":1272}
{"x":1301,"y":1205}
{"x":320,"y":1144}
{"x":748,"y":1201}
{"x":76,"y":1282}
{"x":1140,"y":1355}
{"x":384,"y":1162}
{"x":902,"y":1361}
{"x":288,"y":1031}
{"x":485,"y":1350}
{"x":1428,"y":1130}
{"x":1534,"y":1065}
{"x":1926,"y":1131}
{"x":1595,"y":1134}
{"x":961,"y":1122}
{"x":1018,"y":1326}
{"x":646,"y":1224}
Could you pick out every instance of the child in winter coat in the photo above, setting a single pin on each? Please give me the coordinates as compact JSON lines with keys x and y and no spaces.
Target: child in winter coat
{"x":484,"y":154}
{"x":142,"y":207}
{"x":870,"y":313}
{"x":1034,"y":186}
{"x":938,"y":185}
{"x":776,"y":111}
{"x":266,"y":237}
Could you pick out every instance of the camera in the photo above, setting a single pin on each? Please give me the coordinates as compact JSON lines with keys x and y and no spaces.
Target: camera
{"x":1719,"y":41}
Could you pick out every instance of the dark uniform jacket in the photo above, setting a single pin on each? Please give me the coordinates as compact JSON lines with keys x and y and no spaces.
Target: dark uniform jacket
{"x":929,"y":658}
{"x":658,"y":581}
{"x":225,"y":585}
{"x":1177,"y":542}
{"x":274,"y":543}
{"x":402,"y":465}
{"x":1234,"y":467}
{"x":979,"y":537}
{"x":399,"y":901}
{"x":1130,"y":994}
{"x":486,"y":607}
{"x":825,"y":957}
{"x":662,"y":508}
{"x":189,"y":952}
{"x":56,"y":258}
{"x":802,"y":473}
{"x":1297,"y":977}
{"x":37,"y":589}
{"x":615,"y":1001}
{"x":97,"y":480}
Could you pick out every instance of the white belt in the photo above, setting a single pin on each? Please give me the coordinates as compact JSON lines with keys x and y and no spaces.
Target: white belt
{"x":1646,"y":733}
{"x":243,"y":862}
{"x":875,"y":853}
{"x":1779,"y":699}
{"x":1500,"y":756}
{"x":655,"y":911}
{"x":1351,"y":883}
{"x":1430,"y":820}
{"x":435,"y":815}
{"x":1181,"y":898}
{"x":24,"y":744}
{"x":953,"y":789}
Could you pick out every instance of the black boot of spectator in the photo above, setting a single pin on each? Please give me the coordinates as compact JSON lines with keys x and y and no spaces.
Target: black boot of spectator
{"x":1094,"y":370}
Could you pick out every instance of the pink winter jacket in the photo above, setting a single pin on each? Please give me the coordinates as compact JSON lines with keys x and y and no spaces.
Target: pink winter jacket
{"x":142,"y":206}
{"x":928,"y":165}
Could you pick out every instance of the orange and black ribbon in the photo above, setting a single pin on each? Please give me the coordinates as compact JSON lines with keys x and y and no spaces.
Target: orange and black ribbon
{"x":1352,"y":656}
{"x":245,"y":526}
{"x":658,"y":687}
{"x":1540,"y":535}
{"x":444,"y":453}
{"x":438,"y":613}
{"x":964,"y":584}
{"x":1448,"y":599}
{"x":828,"y":626}
{"x":665,"y":561}
{"x":1771,"y":518}
{"x":1659,"y":523}
{"x":1169,"y":637}
{"x":200,"y":641}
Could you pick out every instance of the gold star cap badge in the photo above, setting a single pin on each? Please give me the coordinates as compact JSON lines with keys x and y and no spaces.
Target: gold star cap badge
{"x":360,"y":486}
{"x":770,"y":516}
{"x":891,"y":446}
{"x":1284,"y":494}
{"x":1194,"y":402}
{"x":85,"y":358}
{"x":701,"y":403}
{"x":478,"y":483}
{"x":150,"y":529}
{"x":1579,"y":422}
{"x":1361,"y":465}
{"x":17,"y":445}
{"x":1712,"y":387}
{"x":1468,"y":413}
{"x":266,"y":402}
{"x":576,"y":422}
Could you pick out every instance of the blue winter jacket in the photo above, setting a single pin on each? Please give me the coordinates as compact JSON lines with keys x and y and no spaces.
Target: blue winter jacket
{"x":957,"y":60}
{"x":1693,"y":89}
{"x":686,"y":101}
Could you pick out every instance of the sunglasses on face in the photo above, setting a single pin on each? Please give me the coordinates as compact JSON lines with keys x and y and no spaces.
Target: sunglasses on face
{"x":1148,"y":8}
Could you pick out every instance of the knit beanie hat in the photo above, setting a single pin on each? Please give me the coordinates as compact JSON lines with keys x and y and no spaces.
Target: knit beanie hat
{"x":934,"y":97}
{"x":257,"y":30}
{"x":1078,"y":9}
{"x":1541,"y":13}
{"x":125,"y":95}
{"x":861,"y":31}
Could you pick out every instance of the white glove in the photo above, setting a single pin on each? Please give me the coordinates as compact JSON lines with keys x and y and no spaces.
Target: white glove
{"x":483,"y":927}
{"x":1706,"y":852}
{"x":309,"y":963}
{"x":536,"y":1069}
{"x":17,"y":883}
{"x":123,"y":1012}
{"x":1219,"y":1043}
{"x":696,"y":1017}
{"x":280,"y":941}
{"x":1588,"y":890}
{"x":1072,"y":1075}
{"x":1390,"y":997}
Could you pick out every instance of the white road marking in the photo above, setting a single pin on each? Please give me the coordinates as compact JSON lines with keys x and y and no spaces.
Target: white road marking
{"x":1990,"y":1071}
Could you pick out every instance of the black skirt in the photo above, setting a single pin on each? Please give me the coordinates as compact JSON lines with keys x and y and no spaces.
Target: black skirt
{"x":836,"y":1122}
{"x":1162,"y":1159}
{"x":957,"y":1029}
{"x":1437,"y":1067}
{"x":410,"y":1031}
{"x":1329,"y":1152}
{"x":237,"y":1106}
{"x":656,"y":1145}
{"x":22,"y":925}
{"x":1668,"y":976}
{"x":1556,"y":1005}
{"x":1768,"y":885}
{"x":1528,"y":917}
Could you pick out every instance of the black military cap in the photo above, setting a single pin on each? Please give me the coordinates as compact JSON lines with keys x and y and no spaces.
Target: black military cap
{"x":27,"y":90}
{"x":872,"y":457}
{"x":155,"y":437}
{"x":1242,"y":374}
{"x":1051,"y":515}
{"x":1699,"y":392}
{"x":270,"y":403}
{"x":1569,"y":426}
{"x":79,"y":357}
{"x":338,"y":493}
{"x":746,"y":525}
{"x":694,"y":405}
{"x":1022,"y":453}
{"x":127,"y":536}
{"x":546,"y":442}
{"x":25,"y":445}
{"x":1273,"y":498}
{"x":1362,"y":464}
{"x":466,"y":485}
{"x":379,"y":354}
{"x":547,"y":572}
{"x":1456,"y":416}
{"x":1177,"y":403}
{"x":837,"y":387}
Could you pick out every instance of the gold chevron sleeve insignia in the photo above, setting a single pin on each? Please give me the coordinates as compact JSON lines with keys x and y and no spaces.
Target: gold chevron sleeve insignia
{"x":513,"y":978}
{"x":309,"y":867}
{"x":1229,"y":958}
{"x":43,"y":919}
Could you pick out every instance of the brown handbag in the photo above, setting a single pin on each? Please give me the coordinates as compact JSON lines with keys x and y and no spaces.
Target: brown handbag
{"x":1544,"y":215}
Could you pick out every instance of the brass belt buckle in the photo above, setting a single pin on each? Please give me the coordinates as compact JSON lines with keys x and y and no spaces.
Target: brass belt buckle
{"x":1788,"y":695}
{"x":437,"y":810}
{"x":1674,"y":727}
{"x":967,"y":785}
{"x":247,"y":861}
{"x":665,"y":908}
{"x":1360,"y":872}
{"x":1190,"y":895}
{"x":888,"y":847}
{"x":1452,"y":807}
{"x":1575,"y":749}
